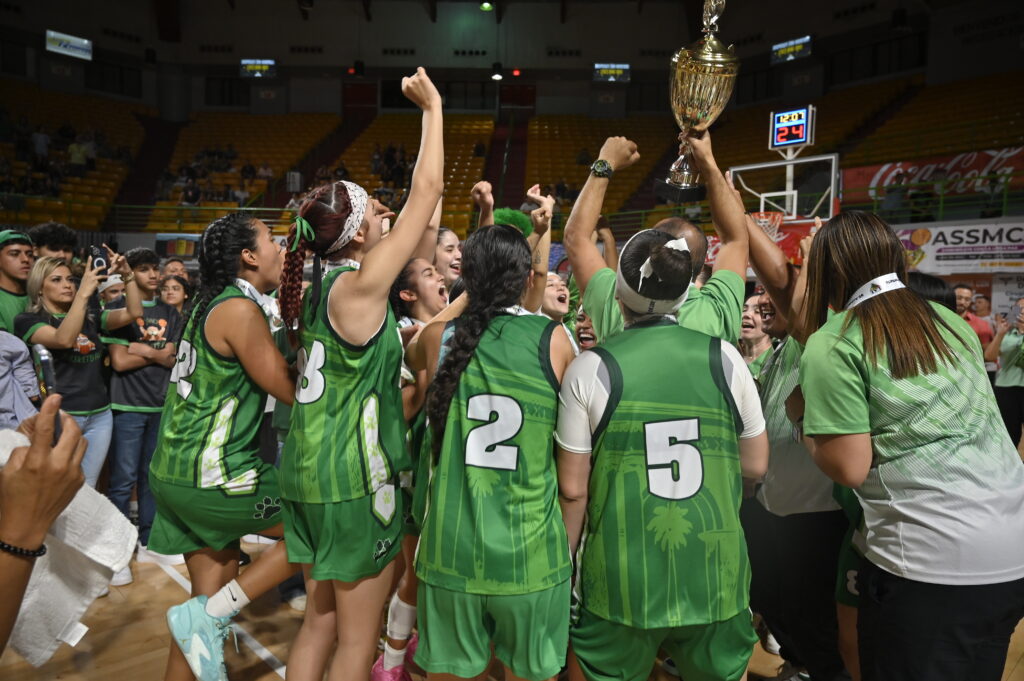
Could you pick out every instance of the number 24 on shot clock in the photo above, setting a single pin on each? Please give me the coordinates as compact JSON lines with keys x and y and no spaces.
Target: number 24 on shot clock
{"x":791,"y":128}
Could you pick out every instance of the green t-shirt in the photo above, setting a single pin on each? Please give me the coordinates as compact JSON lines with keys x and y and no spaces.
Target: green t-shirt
{"x":714,"y":309}
{"x":11,"y":305}
{"x":1010,"y":375}
{"x":347,"y":434}
{"x":493,"y":524}
{"x":210,"y":426}
{"x":793,"y":483}
{"x":663,"y":545}
{"x":944,"y":497}
{"x":755,"y":366}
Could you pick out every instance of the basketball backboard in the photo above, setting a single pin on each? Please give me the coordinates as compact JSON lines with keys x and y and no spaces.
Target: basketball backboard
{"x":802,"y":188}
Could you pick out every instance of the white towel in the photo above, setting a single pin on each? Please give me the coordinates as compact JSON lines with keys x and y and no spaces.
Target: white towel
{"x":88,"y":543}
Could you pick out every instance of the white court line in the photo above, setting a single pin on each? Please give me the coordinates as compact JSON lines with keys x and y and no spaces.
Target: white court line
{"x":247,"y":638}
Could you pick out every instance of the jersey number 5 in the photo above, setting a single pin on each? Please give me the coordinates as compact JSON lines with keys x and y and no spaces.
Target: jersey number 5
{"x":674,"y":466}
{"x":483,"y":448}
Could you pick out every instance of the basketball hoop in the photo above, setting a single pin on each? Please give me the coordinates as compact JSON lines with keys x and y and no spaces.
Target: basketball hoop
{"x":769,"y":221}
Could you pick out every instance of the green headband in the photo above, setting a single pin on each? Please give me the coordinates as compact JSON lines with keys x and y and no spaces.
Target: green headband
{"x":14,"y":235}
{"x":303,"y":230}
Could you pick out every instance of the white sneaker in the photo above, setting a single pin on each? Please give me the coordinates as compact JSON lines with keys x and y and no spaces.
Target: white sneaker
{"x":122,"y":576}
{"x":144,"y":555}
{"x":298,"y":603}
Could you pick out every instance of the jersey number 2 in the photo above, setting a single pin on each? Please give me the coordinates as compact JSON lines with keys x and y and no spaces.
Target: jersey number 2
{"x":674,"y":466}
{"x":184,"y":368}
{"x":483,"y":448}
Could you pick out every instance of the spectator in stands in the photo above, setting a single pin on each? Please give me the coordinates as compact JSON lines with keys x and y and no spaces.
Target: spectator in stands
{"x":111,"y":289}
{"x":88,"y":142}
{"x":479,"y":150}
{"x":248,"y":173}
{"x":376,"y":159}
{"x":175,"y":291}
{"x":241,"y":195}
{"x":142,"y":355}
{"x":76,"y":159}
{"x":209,"y":191}
{"x":584,"y":158}
{"x":265,"y":172}
{"x":54,"y":239}
{"x":15,"y":265}
{"x":341,"y":172}
{"x":175,"y":267}
{"x":58,"y":316}
{"x":964,"y":308}
{"x":40,"y":147}
{"x":1008,"y":348}
{"x":983,"y":309}
{"x":294,"y":202}
{"x":895,"y":196}
{"x":190,"y":195}
{"x":19,"y":387}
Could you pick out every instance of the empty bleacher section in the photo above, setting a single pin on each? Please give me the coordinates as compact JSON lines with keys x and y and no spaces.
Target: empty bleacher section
{"x":556,"y":142}
{"x":81,"y":201}
{"x":462,"y":168}
{"x":948,"y":118}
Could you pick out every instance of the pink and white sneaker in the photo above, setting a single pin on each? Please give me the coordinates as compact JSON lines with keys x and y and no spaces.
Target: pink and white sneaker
{"x":378,"y":673}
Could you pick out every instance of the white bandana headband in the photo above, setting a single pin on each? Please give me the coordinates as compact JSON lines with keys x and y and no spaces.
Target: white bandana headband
{"x":875,"y":287}
{"x":640,"y":303}
{"x":268,"y":304}
{"x":359,"y":199}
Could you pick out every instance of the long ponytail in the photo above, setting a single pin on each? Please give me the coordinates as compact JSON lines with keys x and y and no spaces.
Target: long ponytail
{"x":495,"y":267}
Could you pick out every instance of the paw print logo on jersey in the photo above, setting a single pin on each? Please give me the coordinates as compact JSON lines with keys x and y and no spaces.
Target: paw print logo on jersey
{"x":267,"y":509}
{"x":381,"y":549}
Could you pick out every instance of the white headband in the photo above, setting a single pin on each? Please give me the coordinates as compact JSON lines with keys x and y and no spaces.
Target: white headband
{"x":640,"y":303}
{"x":875,"y":287}
{"x":358,"y":198}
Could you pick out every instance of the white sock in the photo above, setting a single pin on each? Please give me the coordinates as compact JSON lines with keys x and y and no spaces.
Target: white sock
{"x":393,"y":658}
{"x":228,"y":601}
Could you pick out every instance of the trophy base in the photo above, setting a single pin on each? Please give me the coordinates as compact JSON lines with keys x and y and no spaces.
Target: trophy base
{"x":667,"y":191}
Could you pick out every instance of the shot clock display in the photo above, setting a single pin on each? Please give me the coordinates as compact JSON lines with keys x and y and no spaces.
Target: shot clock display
{"x":792,"y":128}
{"x":258,"y":68}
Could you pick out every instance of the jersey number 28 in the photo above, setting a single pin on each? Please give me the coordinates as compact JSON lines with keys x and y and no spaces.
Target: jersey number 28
{"x":674,"y":466}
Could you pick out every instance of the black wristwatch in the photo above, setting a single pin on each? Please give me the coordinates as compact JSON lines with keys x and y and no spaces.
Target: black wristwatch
{"x":601,"y":168}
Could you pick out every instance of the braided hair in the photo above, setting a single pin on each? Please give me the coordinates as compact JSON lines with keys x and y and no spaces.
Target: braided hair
{"x":496,"y":268}
{"x":219,"y":249}
{"x":326,"y":210}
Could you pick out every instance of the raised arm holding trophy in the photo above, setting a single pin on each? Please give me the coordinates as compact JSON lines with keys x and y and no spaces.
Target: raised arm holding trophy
{"x":702,"y":79}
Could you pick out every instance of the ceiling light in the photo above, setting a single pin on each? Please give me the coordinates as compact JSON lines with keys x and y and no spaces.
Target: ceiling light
{"x":486,"y":6}
{"x":496,"y":71}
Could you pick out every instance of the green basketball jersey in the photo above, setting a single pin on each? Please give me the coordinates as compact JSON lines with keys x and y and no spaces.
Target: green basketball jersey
{"x":347,"y":435}
{"x":209,"y":430}
{"x":493,"y":524}
{"x":662,"y":545}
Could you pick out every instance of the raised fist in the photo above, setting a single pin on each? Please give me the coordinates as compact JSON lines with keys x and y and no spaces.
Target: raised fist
{"x":420,"y":90}
{"x":619,"y":152}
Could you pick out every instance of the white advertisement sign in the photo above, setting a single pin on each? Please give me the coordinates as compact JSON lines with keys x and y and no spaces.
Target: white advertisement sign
{"x":962,"y":248}
{"x":69,"y":45}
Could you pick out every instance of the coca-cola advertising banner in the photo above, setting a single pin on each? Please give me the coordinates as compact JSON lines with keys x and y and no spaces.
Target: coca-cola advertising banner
{"x":976,"y":247}
{"x":963,"y":171}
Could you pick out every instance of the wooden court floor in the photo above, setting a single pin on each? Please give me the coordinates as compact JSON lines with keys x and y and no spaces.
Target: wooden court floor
{"x":128,"y":640}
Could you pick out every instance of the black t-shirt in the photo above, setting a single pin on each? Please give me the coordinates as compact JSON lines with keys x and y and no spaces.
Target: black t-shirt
{"x":190,"y":194}
{"x":145,"y":388}
{"x":79,"y":370}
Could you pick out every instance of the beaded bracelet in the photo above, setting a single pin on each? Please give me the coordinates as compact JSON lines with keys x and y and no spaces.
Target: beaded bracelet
{"x":24,"y":553}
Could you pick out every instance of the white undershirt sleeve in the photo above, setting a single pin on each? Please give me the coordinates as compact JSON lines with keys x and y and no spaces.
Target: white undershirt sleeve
{"x":581,"y":403}
{"x":744,"y":391}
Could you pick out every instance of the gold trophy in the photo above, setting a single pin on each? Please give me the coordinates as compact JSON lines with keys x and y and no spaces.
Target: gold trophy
{"x":703,"y":75}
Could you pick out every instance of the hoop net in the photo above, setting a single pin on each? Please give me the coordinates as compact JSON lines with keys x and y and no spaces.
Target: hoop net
{"x":769,"y":221}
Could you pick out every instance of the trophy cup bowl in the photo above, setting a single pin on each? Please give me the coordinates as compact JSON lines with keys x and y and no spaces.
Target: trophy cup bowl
{"x":702,"y":80}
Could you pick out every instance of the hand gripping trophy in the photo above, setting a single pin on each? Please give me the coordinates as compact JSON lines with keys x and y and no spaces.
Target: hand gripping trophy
{"x":702,"y":79}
